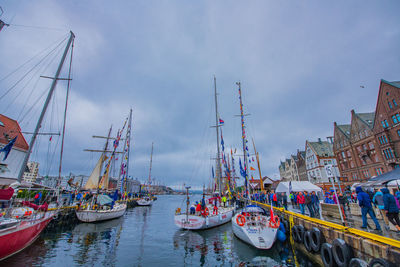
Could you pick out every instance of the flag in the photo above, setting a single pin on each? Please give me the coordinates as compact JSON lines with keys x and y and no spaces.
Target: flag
{"x":8,"y":147}
{"x":212,"y":170}
{"x":252,"y":169}
{"x":271,"y":214}
{"x":51,"y":138}
{"x":221,"y":122}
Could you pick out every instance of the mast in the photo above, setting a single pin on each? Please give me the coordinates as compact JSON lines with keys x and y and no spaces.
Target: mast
{"x":244,"y":141}
{"x":151,"y":163}
{"x":46,"y":104}
{"x":219,"y":171}
{"x":128,"y":146}
{"x":258,"y":165}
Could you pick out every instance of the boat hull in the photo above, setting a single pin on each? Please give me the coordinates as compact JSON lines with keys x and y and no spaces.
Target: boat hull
{"x":144,"y":202}
{"x":261,"y":237}
{"x":101,"y":215}
{"x":22,"y":235}
{"x":194,"y":222}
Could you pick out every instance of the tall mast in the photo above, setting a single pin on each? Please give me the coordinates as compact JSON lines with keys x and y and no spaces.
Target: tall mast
{"x":46,"y":104}
{"x":128,"y":146}
{"x":151,"y":163}
{"x":244,"y":140}
{"x":219,"y":171}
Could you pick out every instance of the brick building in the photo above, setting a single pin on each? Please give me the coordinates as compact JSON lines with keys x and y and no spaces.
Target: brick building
{"x":356,"y":148}
{"x":387,"y":123}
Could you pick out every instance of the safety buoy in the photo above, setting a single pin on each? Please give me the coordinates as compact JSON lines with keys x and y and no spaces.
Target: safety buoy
{"x":275,"y":223}
{"x":379,"y":262}
{"x":326,"y":255}
{"x":356,"y":262}
{"x":342,"y":253}
{"x":240,"y":220}
{"x":300,"y":233}
{"x":307,"y":240}
{"x":317,"y":238}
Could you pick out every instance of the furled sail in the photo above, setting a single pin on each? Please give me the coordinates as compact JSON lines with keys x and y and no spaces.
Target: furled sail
{"x":93,"y":180}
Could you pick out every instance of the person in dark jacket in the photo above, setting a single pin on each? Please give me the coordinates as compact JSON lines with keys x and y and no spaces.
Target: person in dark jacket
{"x":309,"y":203}
{"x":315,"y":203}
{"x":366,"y":208}
{"x":284,"y":200}
{"x":390,"y":206}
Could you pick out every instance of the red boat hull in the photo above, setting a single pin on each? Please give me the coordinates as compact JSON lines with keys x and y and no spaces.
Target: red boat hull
{"x":15,"y":240}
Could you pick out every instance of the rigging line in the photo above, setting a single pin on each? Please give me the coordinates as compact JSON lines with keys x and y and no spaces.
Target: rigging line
{"x":12,"y":87}
{"x":29,"y":60}
{"x":38,"y":27}
{"x":30,"y":109}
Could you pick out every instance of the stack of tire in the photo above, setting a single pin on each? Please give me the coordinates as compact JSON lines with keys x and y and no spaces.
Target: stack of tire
{"x":337,"y":254}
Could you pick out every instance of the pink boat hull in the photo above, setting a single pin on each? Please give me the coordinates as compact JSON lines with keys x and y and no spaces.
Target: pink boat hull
{"x":24,"y":234}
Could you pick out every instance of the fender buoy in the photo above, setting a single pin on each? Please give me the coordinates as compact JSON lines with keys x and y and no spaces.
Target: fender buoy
{"x":379,"y":262}
{"x":294,"y":233}
{"x":274,"y":224}
{"x":317,"y":238}
{"x":307,"y":240}
{"x":356,"y":262}
{"x":326,"y":255}
{"x":240,"y":220}
{"x":341,"y":252}
{"x":300,"y":233}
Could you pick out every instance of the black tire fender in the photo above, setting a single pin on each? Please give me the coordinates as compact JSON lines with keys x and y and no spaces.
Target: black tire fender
{"x":380,"y":262}
{"x":317,"y":239}
{"x":300,"y":233}
{"x":342,"y":253}
{"x":307,"y":240}
{"x":326,"y":255}
{"x":356,"y":262}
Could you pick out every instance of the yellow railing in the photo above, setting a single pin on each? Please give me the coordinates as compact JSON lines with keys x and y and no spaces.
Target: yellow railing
{"x":378,"y":238}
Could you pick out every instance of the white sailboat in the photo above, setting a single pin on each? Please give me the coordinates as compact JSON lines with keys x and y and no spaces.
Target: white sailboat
{"x":210,"y":216}
{"x":101,"y":211}
{"x":252,"y":224}
{"x":147,"y":200}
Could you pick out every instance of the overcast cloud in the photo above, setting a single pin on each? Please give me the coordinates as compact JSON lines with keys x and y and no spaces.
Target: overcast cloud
{"x":301,"y":64}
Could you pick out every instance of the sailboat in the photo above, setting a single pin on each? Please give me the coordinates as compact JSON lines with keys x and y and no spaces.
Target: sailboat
{"x":18,"y":232}
{"x":105,"y":208}
{"x":147,"y":200}
{"x":211,"y":215}
{"x":252,"y":224}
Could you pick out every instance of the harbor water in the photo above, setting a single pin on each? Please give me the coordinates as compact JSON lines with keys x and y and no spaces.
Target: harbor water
{"x":147,"y":236}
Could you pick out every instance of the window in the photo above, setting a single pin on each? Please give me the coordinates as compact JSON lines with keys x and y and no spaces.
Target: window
{"x":386,"y":122}
{"x":390,"y":104}
{"x":398,"y":133}
{"x":394,"y":119}
{"x":394,"y":103}
{"x":383,"y":124}
{"x":343,"y":155}
{"x":390,"y":152}
{"x":384,"y":139}
{"x":348,"y":154}
{"x":329,"y":161}
{"x":371,"y":145}
{"x":380,"y":139}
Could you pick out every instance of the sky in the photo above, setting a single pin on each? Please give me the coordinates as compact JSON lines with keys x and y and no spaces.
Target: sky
{"x":302,"y":64}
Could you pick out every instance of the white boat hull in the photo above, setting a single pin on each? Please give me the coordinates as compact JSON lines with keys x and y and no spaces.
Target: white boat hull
{"x":144,"y":202}
{"x":259,"y":236}
{"x":101,"y":215}
{"x":196,"y":222}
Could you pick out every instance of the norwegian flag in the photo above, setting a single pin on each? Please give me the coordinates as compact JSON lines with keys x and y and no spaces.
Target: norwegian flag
{"x":271,"y":214}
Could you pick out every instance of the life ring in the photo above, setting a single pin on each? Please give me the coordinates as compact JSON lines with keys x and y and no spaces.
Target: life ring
{"x":275,"y":224}
{"x":205,"y":212}
{"x":300,"y":233}
{"x":356,"y":262}
{"x":317,"y":238}
{"x":240,"y":220}
{"x":307,"y":240}
{"x":379,"y":262}
{"x":341,"y":252}
{"x":326,"y":254}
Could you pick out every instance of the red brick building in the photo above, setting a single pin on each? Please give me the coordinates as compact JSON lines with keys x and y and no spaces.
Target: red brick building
{"x":387,"y":123}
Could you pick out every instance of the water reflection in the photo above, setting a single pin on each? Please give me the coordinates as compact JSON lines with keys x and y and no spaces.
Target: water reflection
{"x":143,"y":212}
{"x":221,"y":245}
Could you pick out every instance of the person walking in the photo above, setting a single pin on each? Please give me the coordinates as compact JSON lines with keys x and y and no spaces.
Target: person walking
{"x":315,"y":203}
{"x":390,"y":206}
{"x":224,"y":201}
{"x":284,"y":200}
{"x":291,"y":196}
{"x":309,"y":203}
{"x":301,"y":200}
{"x":366,"y":208}
{"x":275,"y":199}
{"x":378,"y":202}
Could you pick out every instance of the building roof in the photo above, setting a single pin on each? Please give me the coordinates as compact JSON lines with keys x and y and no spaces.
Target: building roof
{"x":322,"y":148}
{"x":345,"y":128}
{"x":395,"y":83}
{"x":9,"y":128}
{"x":367,"y":118}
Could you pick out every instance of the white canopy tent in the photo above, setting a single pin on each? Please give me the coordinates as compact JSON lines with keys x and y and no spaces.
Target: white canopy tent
{"x":298,"y":186}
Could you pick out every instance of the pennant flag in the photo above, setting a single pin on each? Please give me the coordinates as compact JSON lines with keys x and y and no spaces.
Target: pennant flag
{"x":8,"y":147}
{"x":252,"y":169}
{"x":51,"y":138}
{"x":221,"y":122}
